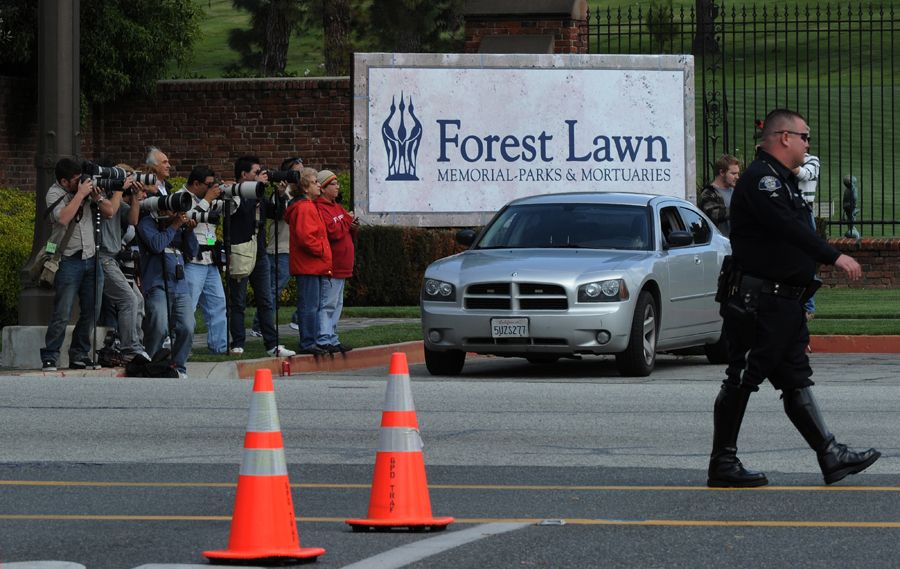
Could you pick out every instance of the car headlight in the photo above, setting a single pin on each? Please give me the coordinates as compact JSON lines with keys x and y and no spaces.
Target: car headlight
{"x":613,"y":290}
{"x":438,"y":290}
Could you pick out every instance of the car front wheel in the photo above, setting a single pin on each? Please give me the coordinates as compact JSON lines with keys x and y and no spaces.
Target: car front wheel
{"x":639,"y":357}
{"x":444,"y":363}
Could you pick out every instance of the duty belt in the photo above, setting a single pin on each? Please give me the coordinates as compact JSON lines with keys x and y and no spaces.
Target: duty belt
{"x":775,"y":288}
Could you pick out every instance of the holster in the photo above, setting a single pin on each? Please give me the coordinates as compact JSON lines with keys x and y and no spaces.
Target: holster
{"x":729,"y":279}
{"x":810,"y":290}
{"x":741,"y":309}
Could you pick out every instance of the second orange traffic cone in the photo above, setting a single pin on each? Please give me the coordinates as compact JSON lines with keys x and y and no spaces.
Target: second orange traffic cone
{"x":399,"y":497}
{"x":263,"y":525}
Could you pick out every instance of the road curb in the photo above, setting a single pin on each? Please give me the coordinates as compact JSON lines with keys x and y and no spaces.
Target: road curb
{"x":360,"y":358}
{"x":844,"y":344}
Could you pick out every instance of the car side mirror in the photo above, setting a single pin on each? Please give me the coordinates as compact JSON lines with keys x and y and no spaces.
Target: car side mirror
{"x":679,"y":239}
{"x":466,"y":237}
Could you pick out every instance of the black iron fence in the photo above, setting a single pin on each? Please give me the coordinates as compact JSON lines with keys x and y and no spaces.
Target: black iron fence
{"x":837,"y":65}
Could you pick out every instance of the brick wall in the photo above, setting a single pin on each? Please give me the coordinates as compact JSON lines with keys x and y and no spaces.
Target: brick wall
{"x":569,"y":36}
{"x":879,"y":259}
{"x":215,"y":121}
{"x":195,"y":122}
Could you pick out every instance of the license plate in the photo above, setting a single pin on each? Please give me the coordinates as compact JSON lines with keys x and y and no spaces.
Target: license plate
{"x":509,"y":327}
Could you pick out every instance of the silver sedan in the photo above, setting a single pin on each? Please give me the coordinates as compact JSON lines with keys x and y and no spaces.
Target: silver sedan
{"x":561,"y":275}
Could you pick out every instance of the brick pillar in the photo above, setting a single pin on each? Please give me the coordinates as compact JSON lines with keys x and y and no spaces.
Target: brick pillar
{"x":537,"y":26}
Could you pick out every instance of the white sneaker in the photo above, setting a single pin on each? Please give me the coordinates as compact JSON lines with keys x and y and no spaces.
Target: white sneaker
{"x":281,"y":352}
{"x":255,"y":333}
{"x":237,"y":351}
{"x":295,"y":326}
{"x":182,"y":375}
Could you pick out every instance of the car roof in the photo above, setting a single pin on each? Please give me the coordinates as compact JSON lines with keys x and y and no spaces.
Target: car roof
{"x":618,"y":198}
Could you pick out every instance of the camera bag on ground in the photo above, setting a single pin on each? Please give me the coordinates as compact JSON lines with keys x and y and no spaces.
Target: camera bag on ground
{"x":43,"y":267}
{"x":161,"y":365}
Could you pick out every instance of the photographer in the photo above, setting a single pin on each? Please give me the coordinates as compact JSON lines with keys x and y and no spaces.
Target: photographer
{"x":69,"y":204}
{"x":246,"y":222}
{"x":158,"y":164}
{"x":118,"y":296}
{"x":202,"y":271}
{"x":165,"y":239}
{"x":279,"y":263}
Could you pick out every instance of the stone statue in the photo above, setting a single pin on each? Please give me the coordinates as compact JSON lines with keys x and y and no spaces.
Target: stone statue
{"x":850,"y":201}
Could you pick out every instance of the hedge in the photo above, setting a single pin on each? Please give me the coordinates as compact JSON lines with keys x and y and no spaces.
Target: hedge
{"x":17,"y":210}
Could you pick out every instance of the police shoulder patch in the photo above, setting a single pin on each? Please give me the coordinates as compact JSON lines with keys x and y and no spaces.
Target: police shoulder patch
{"x":769,"y":183}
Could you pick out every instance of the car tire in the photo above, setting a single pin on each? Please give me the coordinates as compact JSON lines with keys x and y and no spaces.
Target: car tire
{"x":639,"y":357}
{"x":717,"y":353}
{"x":542,"y":359}
{"x":450,"y":362}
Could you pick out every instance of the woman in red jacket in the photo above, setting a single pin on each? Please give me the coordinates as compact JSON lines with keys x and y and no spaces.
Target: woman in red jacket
{"x":341,"y":227}
{"x":310,"y":259}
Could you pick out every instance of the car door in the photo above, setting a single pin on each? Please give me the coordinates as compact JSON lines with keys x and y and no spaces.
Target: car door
{"x":681,"y":310}
{"x":705,"y":311}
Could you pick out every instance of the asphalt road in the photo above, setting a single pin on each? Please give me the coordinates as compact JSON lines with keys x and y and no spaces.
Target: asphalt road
{"x":121,"y":473}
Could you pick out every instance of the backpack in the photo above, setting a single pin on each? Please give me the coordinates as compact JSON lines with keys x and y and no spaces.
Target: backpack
{"x":160,"y":366}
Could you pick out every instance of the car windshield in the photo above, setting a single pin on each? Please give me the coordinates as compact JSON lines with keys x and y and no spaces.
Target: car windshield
{"x":569,"y":225}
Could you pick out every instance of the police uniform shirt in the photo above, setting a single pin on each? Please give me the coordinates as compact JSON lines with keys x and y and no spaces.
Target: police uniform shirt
{"x":771,"y":232}
{"x":82,"y":238}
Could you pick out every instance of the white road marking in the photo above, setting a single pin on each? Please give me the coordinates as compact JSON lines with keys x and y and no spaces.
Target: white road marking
{"x":412,"y":552}
{"x":42,"y":565}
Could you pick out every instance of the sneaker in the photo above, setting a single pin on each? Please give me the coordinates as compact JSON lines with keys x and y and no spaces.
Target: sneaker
{"x":48,"y":365}
{"x":255,"y":333}
{"x":281,"y":352}
{"x":315,"y":351}
{"x":83,"y":362}
{"x":182,"y":375}
{"x":342,"y":348}
{"x":237,"y":351}
{"x":295,"y":326}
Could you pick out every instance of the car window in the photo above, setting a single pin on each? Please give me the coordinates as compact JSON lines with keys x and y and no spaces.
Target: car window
{"x":575,"y":225}
{"x":669,"y":221}
{"x":697,"y":225}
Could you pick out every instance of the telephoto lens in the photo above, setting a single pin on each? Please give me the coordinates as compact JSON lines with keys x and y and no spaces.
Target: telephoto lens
{"x":180,"y":201}
{"x":109,"y":185}
{"x":289,"y":176}
{"x":113,"y":172}
{"x":148,"y":179}
{"x":246,"y":190}
{"x":205,"y":216}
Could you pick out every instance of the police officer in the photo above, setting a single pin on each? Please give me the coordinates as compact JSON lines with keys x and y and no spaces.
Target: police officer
{"x":775,"y":251}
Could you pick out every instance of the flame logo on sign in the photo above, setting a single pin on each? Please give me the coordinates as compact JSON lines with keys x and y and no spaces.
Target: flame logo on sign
{"x":402,"y":144}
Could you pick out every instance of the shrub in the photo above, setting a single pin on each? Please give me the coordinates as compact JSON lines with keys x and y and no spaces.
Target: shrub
{"x":390,"y":262}
{"x":17,"y":210}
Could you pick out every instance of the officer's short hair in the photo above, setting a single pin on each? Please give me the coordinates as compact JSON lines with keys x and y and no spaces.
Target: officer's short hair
{"x":779,"y":119}
{"x":725,"y":162}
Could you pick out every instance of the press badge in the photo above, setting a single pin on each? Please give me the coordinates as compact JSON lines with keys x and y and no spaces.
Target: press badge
{"x":210,"y":241}
{"x":51,"y":247}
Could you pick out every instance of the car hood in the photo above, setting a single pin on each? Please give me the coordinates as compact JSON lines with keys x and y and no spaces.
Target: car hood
{"x":493,"y":264}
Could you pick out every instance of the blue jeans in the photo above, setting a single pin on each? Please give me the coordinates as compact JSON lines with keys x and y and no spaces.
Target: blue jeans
{"x":260,"y":279}
{"x":207,"y":292}
{"x":157,"y":321}
{"x":309,"y":294}
{"x":331,"y":302}
{"x":75,"y":277}
{"x":284,"y":275}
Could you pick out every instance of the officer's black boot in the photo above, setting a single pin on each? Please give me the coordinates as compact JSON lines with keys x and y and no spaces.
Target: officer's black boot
{"x":725,"y":470}
{"x":835,"y":459}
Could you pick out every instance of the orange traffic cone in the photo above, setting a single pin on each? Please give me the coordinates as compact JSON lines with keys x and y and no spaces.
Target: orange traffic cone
{"x":263,"y":525}
{"x":399,"y":496}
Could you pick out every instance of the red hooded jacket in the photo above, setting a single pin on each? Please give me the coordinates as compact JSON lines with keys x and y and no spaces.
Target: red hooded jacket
{"x":310,"y":251}
{"x":340,"y":236}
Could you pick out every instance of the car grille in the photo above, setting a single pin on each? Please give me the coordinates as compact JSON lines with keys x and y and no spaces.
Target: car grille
{"x":524,"y":296}
{"x":516,"y":341}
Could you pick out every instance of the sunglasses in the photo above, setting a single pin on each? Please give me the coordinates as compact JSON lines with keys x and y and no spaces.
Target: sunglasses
{"x":804,"y":136}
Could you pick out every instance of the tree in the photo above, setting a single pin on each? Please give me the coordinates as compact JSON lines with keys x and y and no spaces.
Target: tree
{"x":126,"y":45}
{"x":414,"y":26}
{"x":264,"y":46}
{"x":336,"y":32}
{"x":705,"y":38}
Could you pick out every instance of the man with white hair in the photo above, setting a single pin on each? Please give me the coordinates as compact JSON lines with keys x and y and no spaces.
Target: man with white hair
{"x":158,"y":163}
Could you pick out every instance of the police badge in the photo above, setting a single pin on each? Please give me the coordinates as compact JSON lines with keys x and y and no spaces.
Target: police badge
{"x":769,"y":183}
